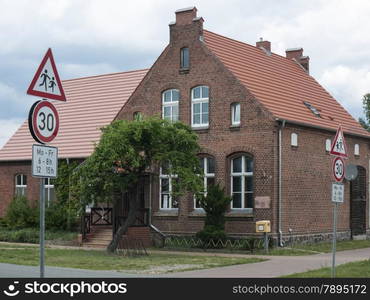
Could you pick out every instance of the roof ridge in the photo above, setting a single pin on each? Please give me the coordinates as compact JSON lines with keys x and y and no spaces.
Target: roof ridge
{"x":107,"y":74}
{"x":244,"y":43}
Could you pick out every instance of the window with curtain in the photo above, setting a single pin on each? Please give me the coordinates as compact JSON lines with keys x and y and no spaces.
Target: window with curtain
{"x":170,"y":105}
{"x":207,"y":165}
{"x":167,"y":201}
{"x":235,"y":114}
{"x":20,"y":185}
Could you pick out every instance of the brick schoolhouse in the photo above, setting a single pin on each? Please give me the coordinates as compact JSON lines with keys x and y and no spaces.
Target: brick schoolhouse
{"x":265,"y":127}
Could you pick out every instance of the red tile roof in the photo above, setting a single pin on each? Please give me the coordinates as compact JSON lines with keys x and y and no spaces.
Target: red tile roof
{"x":92,"y":102}
{"x":281,"y":85}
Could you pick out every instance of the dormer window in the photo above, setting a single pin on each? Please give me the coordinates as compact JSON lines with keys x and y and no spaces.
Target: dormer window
{"x":184,"y":58}
{"x":313,"y":109}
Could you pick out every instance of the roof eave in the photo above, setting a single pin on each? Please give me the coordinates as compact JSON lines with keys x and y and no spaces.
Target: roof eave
{"x":320,"y":127}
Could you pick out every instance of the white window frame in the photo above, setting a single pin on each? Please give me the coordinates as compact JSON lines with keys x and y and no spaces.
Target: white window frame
{"x":200,"y":101}
{"x":234,"y":111}
{"x":357,"y":150}
{"x":206,"y":175}
{"x":294,"y":139}
{"x":21,"y":186}
{"x":170,"y":197}
{"x":327,"y":145}
{"x":48,"y":186}
{"x":243,"y":174}
{"x":171,"y":105}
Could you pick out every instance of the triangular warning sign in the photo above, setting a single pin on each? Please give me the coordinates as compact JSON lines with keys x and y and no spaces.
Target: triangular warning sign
{"x":339,"y":147}
{"x":46,"y":82}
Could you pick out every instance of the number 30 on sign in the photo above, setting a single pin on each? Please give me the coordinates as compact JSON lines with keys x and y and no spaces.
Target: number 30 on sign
{"x":43,"y":121}
{"x":338,"y":169}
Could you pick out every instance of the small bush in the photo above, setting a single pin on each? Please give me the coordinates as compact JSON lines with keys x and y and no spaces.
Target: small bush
{"x":211,"y":233}
{"x":20,"y":214}
{"x":57,"y":217}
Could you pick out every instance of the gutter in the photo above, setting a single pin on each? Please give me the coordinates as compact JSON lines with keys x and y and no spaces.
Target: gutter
{"x":321,"y":128}
{"x":280,"y":232}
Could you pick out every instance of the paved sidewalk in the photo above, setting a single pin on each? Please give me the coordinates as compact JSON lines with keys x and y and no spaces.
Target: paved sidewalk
{"x":278,"y":266}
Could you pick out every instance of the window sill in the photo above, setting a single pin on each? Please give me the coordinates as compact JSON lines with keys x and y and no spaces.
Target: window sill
{"x":200,"y":129}
{"x":184,"y":71}
{"x":240,"y":213}
{"x":167,"y":213}
{"x":235,"y":127}
{"x":197,"y":212}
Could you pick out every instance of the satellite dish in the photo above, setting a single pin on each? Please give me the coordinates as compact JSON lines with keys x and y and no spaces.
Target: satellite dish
{"x":351,"y":172}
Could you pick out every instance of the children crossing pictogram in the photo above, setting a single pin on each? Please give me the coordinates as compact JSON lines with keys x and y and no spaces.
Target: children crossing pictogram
{"x":339,"y":147}
{"x":46,"y":82}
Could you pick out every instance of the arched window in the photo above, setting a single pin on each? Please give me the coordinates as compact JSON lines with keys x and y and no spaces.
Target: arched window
{"x":20,"y":185}
{"x":170,"y":105}
{"x":49,"y":191}
{"x":167,"y":201}
{"x":207,"y":165}
{"x":357,"y":149}
{"x":328,"y":145}
{"x":294,"y":139}
{"x":138,"y":116}
{"x":235,"y":114}
{"x":242,"y":182}
{"x":199,"y":106}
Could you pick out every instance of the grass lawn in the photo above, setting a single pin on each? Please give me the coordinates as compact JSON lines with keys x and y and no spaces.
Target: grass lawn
{"x":101,"y":260}
{"x":352,"y":269}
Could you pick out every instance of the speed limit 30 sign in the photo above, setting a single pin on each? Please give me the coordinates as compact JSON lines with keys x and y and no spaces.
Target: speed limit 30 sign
{"x":338,"y":169}
{"x":43,"y":121}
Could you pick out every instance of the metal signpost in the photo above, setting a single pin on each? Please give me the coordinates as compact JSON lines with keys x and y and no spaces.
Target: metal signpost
{"x":43,"y":121}
{"x":338,"y":149}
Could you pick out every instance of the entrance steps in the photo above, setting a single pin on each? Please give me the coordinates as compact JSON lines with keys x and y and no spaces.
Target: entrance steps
{"x":101,"y":236}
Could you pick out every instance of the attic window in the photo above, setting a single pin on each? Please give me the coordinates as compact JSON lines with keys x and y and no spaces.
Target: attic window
{"x":313,"y":109}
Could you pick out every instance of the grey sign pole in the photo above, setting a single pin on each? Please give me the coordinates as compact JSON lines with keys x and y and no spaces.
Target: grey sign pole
{"x":335,"y":210}
{"x":42,"y":228}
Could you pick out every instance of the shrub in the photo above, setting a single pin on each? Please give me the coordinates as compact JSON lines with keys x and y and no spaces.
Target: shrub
{"x":215,"y":204}
{"x":57,"y":217}
{"x":20,"y":214}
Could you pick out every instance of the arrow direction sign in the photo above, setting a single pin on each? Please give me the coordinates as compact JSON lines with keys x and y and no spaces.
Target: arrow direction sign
{"x":339,"y":147}
{"x":46,"y":82}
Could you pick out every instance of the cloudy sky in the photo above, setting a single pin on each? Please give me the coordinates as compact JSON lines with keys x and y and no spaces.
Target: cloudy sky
{"x":91,"y":37}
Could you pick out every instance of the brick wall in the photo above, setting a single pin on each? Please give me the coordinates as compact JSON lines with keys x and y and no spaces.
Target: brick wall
{"x":256,"y":135}
{"x":307,"y":178}
{"x":8,"y":171}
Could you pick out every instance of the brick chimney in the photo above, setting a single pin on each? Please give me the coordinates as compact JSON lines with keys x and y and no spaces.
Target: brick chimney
{"x":187,"y":26}
{"x":264,"y":44}
{"x":297,"y":55}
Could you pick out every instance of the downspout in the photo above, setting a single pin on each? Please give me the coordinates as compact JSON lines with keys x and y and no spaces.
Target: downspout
{"x":281,"y":243}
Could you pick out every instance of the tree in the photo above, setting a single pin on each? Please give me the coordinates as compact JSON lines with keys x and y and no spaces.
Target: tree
{"x":215,"y":204}
{"x":129,"y":149}
{"x":366,"y":107}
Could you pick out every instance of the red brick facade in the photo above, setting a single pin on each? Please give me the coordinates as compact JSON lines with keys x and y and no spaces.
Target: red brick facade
{"x":306,"y":179}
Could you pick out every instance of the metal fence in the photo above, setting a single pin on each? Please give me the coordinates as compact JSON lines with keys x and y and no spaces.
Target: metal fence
{"x":245,"y":244}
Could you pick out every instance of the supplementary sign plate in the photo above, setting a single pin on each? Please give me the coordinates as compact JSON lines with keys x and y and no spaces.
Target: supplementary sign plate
{"x":44,"y":161}
{"x":337,"y":193}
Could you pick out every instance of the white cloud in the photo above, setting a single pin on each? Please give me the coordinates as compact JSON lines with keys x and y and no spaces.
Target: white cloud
{"x":347,"y":85}
{"x":80,"y":70}
{"x":8,"y":128}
